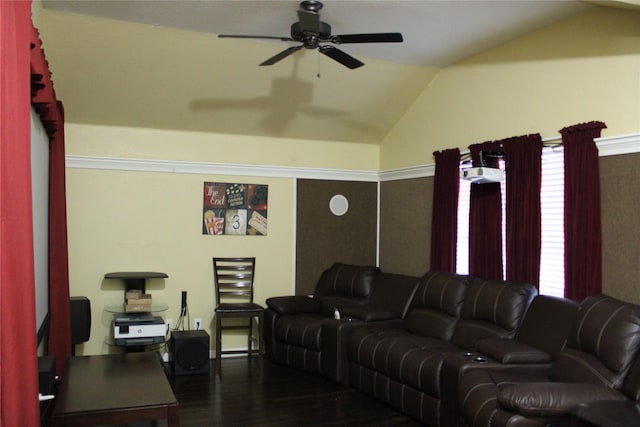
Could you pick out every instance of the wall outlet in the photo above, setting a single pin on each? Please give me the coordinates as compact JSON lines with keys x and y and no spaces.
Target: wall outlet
{"x":197,"y":324}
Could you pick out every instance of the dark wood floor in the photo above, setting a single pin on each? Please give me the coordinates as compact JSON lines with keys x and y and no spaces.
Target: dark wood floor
{"x":248,"y":395}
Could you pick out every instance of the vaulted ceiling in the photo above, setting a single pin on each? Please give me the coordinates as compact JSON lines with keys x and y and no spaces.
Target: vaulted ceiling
{"x":160,"y":64}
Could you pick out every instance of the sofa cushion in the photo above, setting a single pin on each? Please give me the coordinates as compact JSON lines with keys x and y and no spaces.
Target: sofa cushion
{"x":492,"y":309}
{"x":393,"y":292}
{"x":294,"y":304}
{"x":509,"y":351}
{"x":602,"y":344}
{"x":345,"y":284}
{"x":347,"y":280}
{"x":418,"y":363}
{"x":547,"y":323}
{"x":436,"y":305}
{"x":301,"y":330}
{"x":368,"y":314}
{"x":549,"y":399}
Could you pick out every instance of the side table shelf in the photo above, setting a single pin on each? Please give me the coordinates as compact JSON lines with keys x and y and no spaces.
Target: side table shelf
{"x":135,"y":279}
{"x":139,"y":330}
{"x":119,"y":308}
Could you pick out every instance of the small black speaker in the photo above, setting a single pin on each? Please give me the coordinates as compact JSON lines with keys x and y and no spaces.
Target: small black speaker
{"x":46,"y":374}
{"x":190,"y":351}
{"x":80,"y":320}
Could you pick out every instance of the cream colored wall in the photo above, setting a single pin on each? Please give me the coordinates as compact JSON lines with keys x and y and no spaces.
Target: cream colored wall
{"x":141,"y":221}
{"x":586,"y":68}
{"x":112,"y":141}
{"x":147,"y":221}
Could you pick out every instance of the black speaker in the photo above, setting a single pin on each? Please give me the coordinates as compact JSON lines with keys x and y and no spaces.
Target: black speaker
{"x":80,"y":320}
{"x":190,"y":351}
{"x":46,"y":374}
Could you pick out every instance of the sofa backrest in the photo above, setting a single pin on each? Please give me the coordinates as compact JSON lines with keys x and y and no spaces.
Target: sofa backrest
{"x":436,"y":305}
{"x":393,"y":292}
{"x":492,"y":309}
{"x":547,"y":323}
{"x":343,"y":285}
{"x":603,"y":343}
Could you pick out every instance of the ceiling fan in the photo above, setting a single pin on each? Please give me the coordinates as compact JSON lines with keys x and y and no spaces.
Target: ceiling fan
{"x":313,"y":33}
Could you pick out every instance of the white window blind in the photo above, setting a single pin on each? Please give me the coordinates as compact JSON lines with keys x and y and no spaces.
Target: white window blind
{"x":552,"y":211}
{"x":462,"y":248}
{"x":552,"y":207}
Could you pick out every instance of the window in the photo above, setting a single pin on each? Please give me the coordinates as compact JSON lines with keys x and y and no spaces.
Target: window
{"x":552,"y":211}
{"x":552,"y":208}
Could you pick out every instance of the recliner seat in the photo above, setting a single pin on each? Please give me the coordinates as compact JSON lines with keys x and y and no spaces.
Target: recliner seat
{"x":596,"y":364}
{"x":301,"y":331}
{"x":449,"y":314}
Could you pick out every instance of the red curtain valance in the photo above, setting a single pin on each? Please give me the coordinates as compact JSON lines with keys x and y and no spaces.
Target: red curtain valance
{"x":43,"y":95}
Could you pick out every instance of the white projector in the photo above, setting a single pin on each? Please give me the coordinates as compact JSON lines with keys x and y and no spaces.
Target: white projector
{"x":482,"y":175}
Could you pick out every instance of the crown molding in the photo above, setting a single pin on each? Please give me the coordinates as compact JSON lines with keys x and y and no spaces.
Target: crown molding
{"x":621,"y":144}
{"x":609,"y":146}
{"x":206,"y":168}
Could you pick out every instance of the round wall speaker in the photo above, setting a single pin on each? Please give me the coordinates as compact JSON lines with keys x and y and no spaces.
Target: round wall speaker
{"x":190,"y":350}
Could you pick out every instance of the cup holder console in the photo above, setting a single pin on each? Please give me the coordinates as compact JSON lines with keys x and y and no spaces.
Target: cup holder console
{"x":475,"y":357}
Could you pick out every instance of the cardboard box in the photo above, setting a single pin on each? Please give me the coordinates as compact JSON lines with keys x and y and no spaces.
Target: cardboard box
{"x":142,"y":304}
{"x":134,"y":294}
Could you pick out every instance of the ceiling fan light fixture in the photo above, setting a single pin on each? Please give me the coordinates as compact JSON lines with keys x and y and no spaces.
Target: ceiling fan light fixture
{"x":311,"y":32}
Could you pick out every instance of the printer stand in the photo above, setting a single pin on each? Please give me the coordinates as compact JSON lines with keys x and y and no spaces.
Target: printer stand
{"x":135,"y":331}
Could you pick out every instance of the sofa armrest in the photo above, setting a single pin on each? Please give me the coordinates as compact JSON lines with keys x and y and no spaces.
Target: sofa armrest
{"x":506,"y":350}
{"x":368,"y":314}
{"x":550,"y":399}
{"x":294,"y":304}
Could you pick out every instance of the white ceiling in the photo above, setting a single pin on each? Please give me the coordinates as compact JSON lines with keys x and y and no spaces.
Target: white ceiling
{"x":112,"y":72}
{"x":436,"y":33}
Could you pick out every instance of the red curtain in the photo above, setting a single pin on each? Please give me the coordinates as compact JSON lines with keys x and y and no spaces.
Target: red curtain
{"x":18,"y":353}
{"x":485,"y":221}
{"x":582,"y":227}
{"x":444,"y":223}
{"x":51,"y":114}
{"x":523,"y":229}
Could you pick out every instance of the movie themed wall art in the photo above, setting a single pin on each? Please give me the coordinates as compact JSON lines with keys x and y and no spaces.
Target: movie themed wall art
{"x":235,"y":209}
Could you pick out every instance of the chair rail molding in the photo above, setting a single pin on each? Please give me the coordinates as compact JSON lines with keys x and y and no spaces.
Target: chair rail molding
{"x":607,"y":146}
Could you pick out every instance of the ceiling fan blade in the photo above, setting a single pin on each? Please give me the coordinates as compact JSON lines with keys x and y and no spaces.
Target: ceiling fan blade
{"x":368,"y":38}
{"x":309,"y":21}
{"x":282,"y":55}
{"x":241,"y":36}
{"x":340,"y":56}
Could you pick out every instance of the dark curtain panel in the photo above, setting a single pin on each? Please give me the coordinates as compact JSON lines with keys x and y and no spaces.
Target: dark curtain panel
{"x":51,"y":114}
{"x":523,"y":229}
{"x":59,"y":308}
{"x":444,"y":222}
{"x":485,"y":221}
{"x":18,"y":353}
{"x":582,"y":227}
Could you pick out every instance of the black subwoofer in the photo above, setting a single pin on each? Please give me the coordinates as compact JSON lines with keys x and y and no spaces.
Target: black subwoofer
{"x":190,"y":351}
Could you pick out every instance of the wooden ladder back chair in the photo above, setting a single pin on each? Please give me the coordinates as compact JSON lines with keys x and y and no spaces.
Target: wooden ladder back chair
{"x":234,"y":282}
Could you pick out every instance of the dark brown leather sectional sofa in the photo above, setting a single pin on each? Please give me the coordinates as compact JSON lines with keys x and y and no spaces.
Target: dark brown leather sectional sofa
{"x":452,"y":350}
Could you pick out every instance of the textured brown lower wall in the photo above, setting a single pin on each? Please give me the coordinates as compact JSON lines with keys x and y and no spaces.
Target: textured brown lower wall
{"x":405,"y":225}
{"x":323,"y":238}
{"x":620,"y":195}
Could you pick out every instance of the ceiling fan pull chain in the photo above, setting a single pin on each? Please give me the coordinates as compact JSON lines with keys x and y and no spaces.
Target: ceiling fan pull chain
{"x":318,"y":75}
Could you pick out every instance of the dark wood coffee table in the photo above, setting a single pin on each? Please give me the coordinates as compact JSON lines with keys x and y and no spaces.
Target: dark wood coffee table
{"x":115,"y":388}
